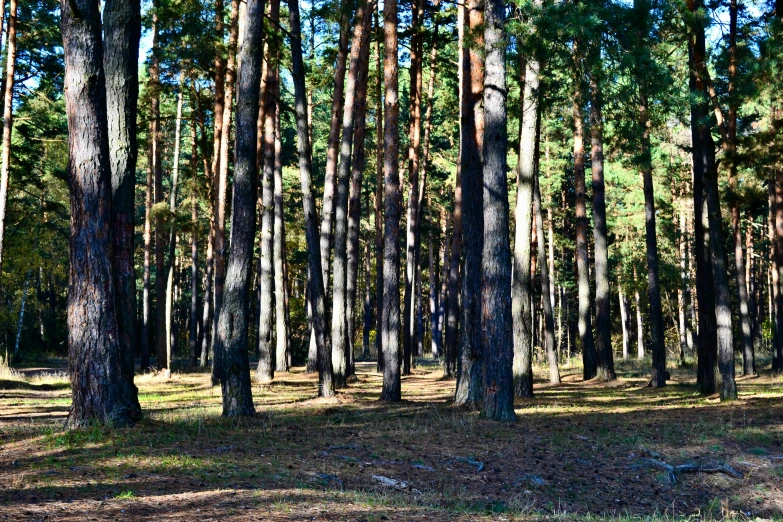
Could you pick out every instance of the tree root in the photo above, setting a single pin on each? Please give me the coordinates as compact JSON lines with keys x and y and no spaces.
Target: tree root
{"x":703,"y":465}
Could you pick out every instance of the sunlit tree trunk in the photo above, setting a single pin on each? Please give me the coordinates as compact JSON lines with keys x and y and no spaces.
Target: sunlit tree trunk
{"x":193,"y":343}
{"x":496,"y":321}
{"x":314,"y":281}
{"x":122,"y":29}
{"x":95,"y":366}
{"x":170,"y":297}
{"x":146,"y":300}
{"x":379,"y":188}
{"x":625,"y":321}
{"x":469,"y":360}
{"x":392,"y":211}
{"x":266,"y":351}
{"x":8,"y":110}
{"x":521,"y":289}
{"x":221,"y":185}
{"x":231,"y":334}
{"x":639,"y":319}
{"x":355,"y":192}
{"x":282,"y":343}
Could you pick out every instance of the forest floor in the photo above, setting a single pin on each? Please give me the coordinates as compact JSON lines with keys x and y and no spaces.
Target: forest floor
{"x":576,"y":453}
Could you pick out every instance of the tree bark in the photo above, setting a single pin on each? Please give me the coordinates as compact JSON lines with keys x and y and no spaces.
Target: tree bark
{"x":496,"y":320}
{"x":549,"y":318}
{"x":522,"y":287}
{"x":122,"y":29}
{"x":625,"y":321}
{"x":333,"y":142}
{"x":582,"y":260}
{"x":98,"y":390}
{"x":639,"y":320}
{"x":231,"y":334}
{"x":434,"y":273}
{"x":390,"y":330}
{"x":469,"y":360}
{"x":8,"y":112}
{"x":340,"y":343}
{"x":266,"y":352}
{"x":314,"y":281}
{"x":379,"y":137}
{"x":194,"y":345}
{"x":146,"y":297}
{"x":414,"y":147}
{"x":282,"y":321}
{"x":355,"y":192}
{"x":170,"y":298}
{"x":657,"y":341}
{"x":603,"y":326}
{"x":221,"y":186}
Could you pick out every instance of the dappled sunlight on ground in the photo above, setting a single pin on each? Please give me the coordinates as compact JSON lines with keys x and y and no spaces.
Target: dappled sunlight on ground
{"x":576,"y":452}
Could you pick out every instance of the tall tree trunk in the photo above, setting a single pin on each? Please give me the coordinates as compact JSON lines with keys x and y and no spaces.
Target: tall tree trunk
{"x":451,"y":276}
{"x":8,"y":111}
{"x":122,"y":29}
{"x":146,"y":303}
{"x":683,"y":292}
{"x":414,"y":147}
{"x":282,"y":346}
{"x":444,"y":292}
{"x":639,"y":320}
{"x":194,"y":345}
{"x":20,"y":322}
{"x":392,"y":210}
{"x":546,"y":297}
{"x":434,"y":263}
{"x":170,"y":297}
{"x":339,"y":335}
{"x":625,"y":321}
{"x":231,"y":334}
{"x":221,"y":186}
{"x":496,"y":320}
{"x":157,"y":171}
{"x":314,"y":281}
{"x":736,"y":228}
{"x":749,"y":359}
{"x":522,"y":287}
{"x":333,"y":143}
{"x":703,"y":159}
{"x":657,"y":341}
{"x":469,"y":360}
{"x":355,"y":192}
{"x":266,"y":352}
{"x":95,"y":365}
{"x":367,"y":298}
{"x":582,"y":260}
{"x":603,"y":326}
{"x":379,"y":188}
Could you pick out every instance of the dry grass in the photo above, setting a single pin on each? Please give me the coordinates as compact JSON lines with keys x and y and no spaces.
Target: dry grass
{"x":572,"y":454}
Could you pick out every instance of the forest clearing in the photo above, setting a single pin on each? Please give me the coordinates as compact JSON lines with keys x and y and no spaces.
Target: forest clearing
{"x":576,"y":452}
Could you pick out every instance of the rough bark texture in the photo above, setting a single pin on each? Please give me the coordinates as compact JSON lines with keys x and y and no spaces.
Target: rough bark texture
{"x":98,"y":390}
{"x":392,"y":210}
{"x":469,"y":360}
{"x":314,"y":281}
{"x":522,"y":287}
{"x":583,"y":277}
{"x":340,"y":343}
{"x":122,"y":29}
{"x":231,"y":334}
{"x":603,"y":325}
{"x":333,"y":142}
{"x":266,"y":352}
{"x":496,"y":320}
{"x":221,"y":185}
{"x":355,"y":192}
